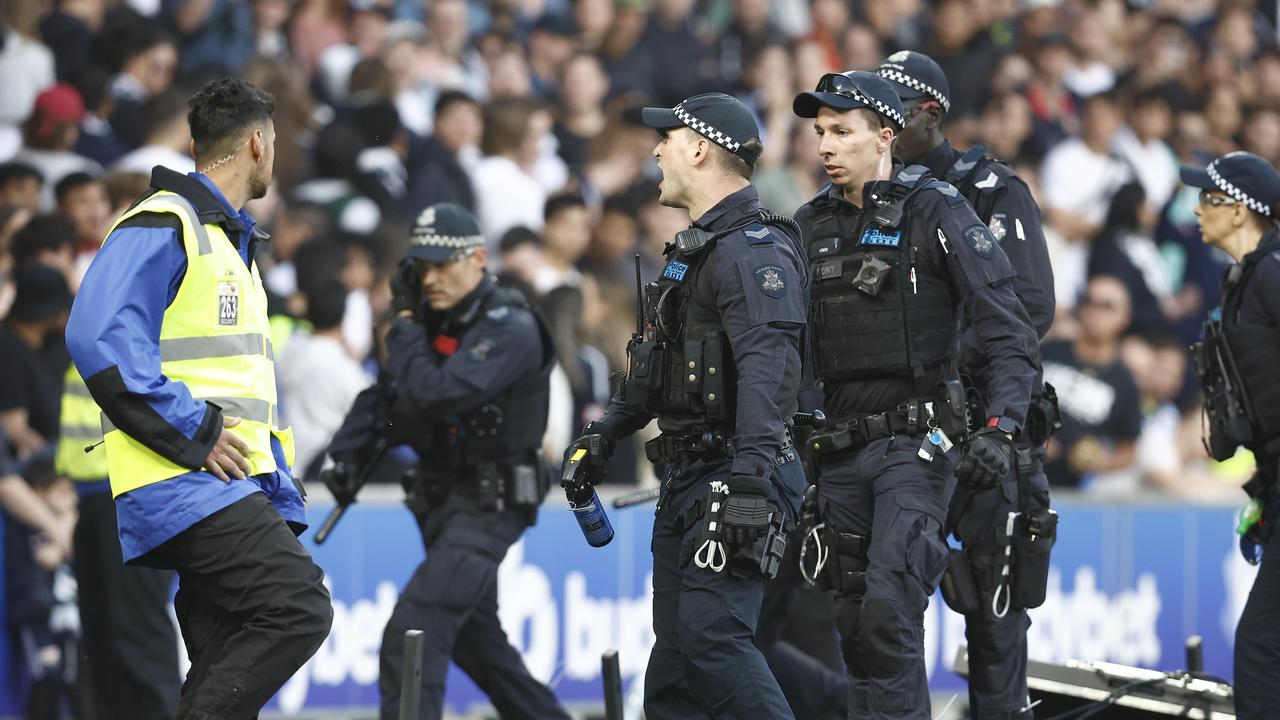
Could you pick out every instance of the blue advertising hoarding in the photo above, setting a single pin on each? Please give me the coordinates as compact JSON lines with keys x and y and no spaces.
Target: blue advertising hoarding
{"x":1129,"y":583}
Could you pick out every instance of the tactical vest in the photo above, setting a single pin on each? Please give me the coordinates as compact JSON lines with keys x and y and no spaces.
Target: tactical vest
{"x":1252,"y":350}
{"x":681,"y":368}
{"x":79,"y":456}
{"x":873,"y":314}
{"x":215,"y":340}
{"x":508,"y":428}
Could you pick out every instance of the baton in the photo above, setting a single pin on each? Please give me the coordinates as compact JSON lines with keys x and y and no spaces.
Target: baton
{"x":331,"y":520}
{"x":637,"y":498}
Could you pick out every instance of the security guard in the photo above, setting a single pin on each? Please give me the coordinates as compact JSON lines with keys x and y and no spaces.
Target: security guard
{"x":465,"y":382}
{"x":996,"y":630}
{"x":128,"y":637}
{"x":1239,"y":202}
{"x":169,"y":331}
{"x":895,"y":257}
{"x":717,"y":362}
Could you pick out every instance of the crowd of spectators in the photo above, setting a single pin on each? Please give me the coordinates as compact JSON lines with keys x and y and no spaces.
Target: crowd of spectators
{"x":527,"y":113}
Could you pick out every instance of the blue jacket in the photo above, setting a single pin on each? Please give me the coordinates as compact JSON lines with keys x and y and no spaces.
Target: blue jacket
{"x":113,"y":335}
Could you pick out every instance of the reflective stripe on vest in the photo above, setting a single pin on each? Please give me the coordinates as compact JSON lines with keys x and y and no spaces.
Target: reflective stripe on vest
{"x":215,"y":340}
{"x":79,"y":429}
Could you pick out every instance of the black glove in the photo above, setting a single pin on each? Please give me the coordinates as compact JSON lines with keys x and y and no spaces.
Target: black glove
{"x":746,"y":511}
{"x":986,"y":460}
{"x":340,"y":479}
{"x":599,"y":446}
{"x":406,"y":287}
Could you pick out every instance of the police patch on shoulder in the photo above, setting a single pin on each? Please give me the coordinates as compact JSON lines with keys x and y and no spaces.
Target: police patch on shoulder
{"x":876,"y":236}
{"x":481,"y":350}
{"x":979,"y":238}
{"x":997,"y":227}
{"x":675,"y":270}
{"x":769,"y":278}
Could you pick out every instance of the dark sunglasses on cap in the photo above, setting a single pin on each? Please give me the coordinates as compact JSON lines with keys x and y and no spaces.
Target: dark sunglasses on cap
{"x":1207,"y":197}
{"x":838,"y":84}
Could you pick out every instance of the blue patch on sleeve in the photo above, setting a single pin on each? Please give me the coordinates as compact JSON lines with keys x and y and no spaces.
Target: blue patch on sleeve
{"x":675,"y":270}
{"x":979,"y":237}
{"x":876,"y":236}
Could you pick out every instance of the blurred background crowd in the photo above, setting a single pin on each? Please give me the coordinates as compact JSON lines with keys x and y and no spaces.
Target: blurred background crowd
{"x":527,"y":113}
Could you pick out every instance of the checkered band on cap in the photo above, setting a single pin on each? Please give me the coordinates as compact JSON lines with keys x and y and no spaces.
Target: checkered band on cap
{"x":424,"y":233}
{"x":706,"y":130}
{"x":904,"y":79}
{"x":1236,"y":192}
{"x":880,"y":107}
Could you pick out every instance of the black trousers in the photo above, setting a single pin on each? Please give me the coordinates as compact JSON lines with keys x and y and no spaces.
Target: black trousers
{"x":129,"y":643}
{"x":887,"y":493}
{"x":1257,"y":647}
{"x":704,"y":663}
{"x":251,"y":606}
{"x":997,"y":645}
{"x":453,"y":598}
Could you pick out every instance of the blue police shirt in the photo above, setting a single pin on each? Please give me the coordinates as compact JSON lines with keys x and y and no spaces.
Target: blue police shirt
{"x":115,"y":321}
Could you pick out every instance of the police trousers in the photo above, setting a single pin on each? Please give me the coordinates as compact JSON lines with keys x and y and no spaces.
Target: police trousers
{"x":251,"y":605}
{"x":997,"y":646}
{"x":129,"y":641}
{"x":704,"y":662}
{"x":1257,"y":646}
{"x":885,"y":492}
{"x":453,"y":598}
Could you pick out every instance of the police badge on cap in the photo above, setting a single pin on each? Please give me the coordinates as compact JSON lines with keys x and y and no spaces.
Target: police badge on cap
{"x":444,"y":232}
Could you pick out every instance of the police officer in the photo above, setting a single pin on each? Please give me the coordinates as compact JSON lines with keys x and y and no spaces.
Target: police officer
{"x":1239,"y":201}
{"x":718,"y":364}
{"x":465,"y":381}
{"x":896,"y":257}
{"x":996,"y":630}
{"x":169,"y":331}
{"x":128,"y":637}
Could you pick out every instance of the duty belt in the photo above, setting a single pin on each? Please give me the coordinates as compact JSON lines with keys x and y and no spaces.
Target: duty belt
{"x":710,"y":445}
{"x":859,"y":431}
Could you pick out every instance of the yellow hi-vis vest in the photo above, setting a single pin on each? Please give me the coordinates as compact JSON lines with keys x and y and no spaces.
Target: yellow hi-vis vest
{"x":80,"y":427}
{"x":215,"y":339}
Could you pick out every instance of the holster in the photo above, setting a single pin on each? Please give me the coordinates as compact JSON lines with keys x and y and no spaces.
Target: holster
{"x":1043,"y":417}
{"x":959,"y":588}
{"x":1034,"y":535}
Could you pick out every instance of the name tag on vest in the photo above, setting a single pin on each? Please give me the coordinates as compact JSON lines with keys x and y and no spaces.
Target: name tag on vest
{"x":675,"y":270}
{"x":876,"y":236}
{"x":228,"y":302}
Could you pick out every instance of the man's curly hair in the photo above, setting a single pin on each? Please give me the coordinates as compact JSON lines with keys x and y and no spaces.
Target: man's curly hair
{"x":221,"y":110}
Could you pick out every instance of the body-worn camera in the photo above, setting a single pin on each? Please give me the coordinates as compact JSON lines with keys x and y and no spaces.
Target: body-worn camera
{"x":871,"y":275}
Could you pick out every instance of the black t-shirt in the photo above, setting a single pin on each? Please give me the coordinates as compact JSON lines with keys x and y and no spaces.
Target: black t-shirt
{"x":1098,"y":403}
{"x":30,"y":379}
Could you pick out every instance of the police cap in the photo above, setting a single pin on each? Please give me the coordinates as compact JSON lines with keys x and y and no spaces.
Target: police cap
{"x":916,"y":75}
{"x":1246,"y":178}
{"x":851,"y":90}
{"x":444,"y":232}
{"x":722,"y":119}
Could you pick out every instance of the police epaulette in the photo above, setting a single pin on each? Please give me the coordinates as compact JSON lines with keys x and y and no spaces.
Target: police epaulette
{"x":910,"y":176}
{"x":947,"y":190}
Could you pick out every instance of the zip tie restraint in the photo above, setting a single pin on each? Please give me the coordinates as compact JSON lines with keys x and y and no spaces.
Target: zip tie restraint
{"x":712,"y":553}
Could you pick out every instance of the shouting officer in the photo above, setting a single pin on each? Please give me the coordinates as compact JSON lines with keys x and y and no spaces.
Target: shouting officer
{"x":996,"y":625}
{"x":898,"y":259}
{"x":718,"y":364}
{"x":170,"y":333}
{"x":1239,"y":199}
{"x":465,"y":382}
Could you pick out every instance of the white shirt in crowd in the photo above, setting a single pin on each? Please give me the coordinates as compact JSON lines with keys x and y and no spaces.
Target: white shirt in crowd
{"x":27,"y":69}
{"x":1153,"y":162}
{"x":1077,"y":180}
{"x":506,"y":197}
{"x":145,"y":158}
{"x":318,"y":382}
